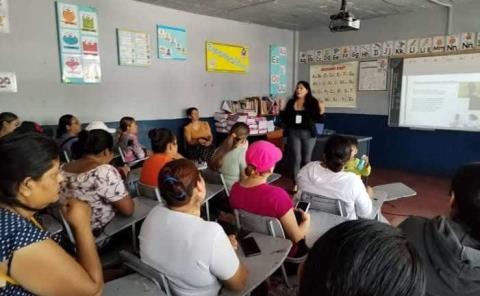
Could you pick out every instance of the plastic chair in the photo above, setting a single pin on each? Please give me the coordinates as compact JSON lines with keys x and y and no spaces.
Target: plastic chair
{"x":149,"y":191}
{"x":324,"y":204}
{"x":133,"y":284}
{"x":269,"y":226}
{"x":146,"y":270}
{"x":129,"y":163}
{"x":213,"y":177}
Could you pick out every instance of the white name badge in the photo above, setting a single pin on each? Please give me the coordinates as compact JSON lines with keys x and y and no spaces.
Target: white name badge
{"x":298,"y":119}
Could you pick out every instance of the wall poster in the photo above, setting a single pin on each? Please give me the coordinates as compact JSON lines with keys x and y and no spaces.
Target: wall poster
{"x":4,"y":18}
{"x":134,"y":48}
{"x":278,"y":70}
{"x":372,"y":75}
{"x":171,"y":43}
{"x":230,"y":58}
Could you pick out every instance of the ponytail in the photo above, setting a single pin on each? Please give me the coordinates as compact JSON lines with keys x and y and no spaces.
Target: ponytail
{"x":237,"y":133}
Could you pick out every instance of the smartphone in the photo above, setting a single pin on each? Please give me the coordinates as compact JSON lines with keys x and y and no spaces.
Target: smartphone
{"x":249,"y":246}
{"x":303,"y":205}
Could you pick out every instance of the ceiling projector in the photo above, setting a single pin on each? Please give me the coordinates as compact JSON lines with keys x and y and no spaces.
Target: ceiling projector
{"x":344,"y":20}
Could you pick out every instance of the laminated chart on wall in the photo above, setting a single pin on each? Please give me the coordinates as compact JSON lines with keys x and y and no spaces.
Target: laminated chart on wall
{"x":335,"y":84}
{"x":171,"y":43}
{"x":278,"y":70}
{"x":8,"y":82}
{"x":4,"y":18}
{"x":134,"y":48}
{"x":231,"y":58}
{"x":372,"y":75}
{"x":78,"y":43}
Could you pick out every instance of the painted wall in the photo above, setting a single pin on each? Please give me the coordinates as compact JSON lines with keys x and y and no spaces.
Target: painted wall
{"x":437,"y":152}
{"x":161,"y":91}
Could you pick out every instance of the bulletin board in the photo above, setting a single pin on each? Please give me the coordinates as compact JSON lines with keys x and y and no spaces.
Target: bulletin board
{"x":78,"y":43}
{"x":335,"y":84}
{"x":229,"y":58}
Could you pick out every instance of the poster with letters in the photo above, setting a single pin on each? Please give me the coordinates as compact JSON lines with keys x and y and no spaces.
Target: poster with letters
{"x":335,"y":84}
{"x":318,"y":56}
{"x":365,"y":50}
{"x":412,"y":46}
{"x":8,"y":82}
{"x":438,"y":44}
{"x":278,"y":70}
{"x":387,"y":48}
{"x":452,"y":43}
{"x":78,"y":43}
{"x":468,"y":41}
{"x":425,"y":45}
{"x":400,"y":47}
{"x":171,"y":43}
{"x":134,"y":48}
{"x":376,"y":49}
{"x":345,"y":52}
{"x":372,"y":75}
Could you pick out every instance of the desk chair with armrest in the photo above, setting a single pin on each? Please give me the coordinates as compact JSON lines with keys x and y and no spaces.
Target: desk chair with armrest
{"x":324,"y":204}
{"x":148,"y":191}
{"x":269,"y":226}
{"x":133,"y":284}
{"x":212,"y":177}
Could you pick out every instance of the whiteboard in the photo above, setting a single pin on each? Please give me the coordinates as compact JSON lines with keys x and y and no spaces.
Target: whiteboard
{"x":373,"y":75}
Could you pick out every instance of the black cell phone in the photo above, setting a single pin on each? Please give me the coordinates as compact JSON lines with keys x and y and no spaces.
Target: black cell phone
{"x":249,"y":246}
{"x":303,"y":205}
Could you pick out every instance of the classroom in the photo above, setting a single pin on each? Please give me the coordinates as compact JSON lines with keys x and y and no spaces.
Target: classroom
{"x":260,"y":147}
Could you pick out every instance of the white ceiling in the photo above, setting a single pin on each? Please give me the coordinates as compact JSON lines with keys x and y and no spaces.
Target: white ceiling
{"x":295,"y":14}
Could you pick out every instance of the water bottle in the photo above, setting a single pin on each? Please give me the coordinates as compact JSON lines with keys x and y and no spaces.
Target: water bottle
{"x":361,"y":163}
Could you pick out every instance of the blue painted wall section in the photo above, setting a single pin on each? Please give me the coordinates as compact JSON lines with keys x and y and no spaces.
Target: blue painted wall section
{"x":436,"y":152}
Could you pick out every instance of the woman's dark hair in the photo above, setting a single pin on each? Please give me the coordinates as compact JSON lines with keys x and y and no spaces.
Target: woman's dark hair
{"x":29,"y":127}
{"x":190,"y":110}
{"x":94,"y":141}
{"x":160,"y":138}
{"x":311,"y":104}
{"x":353,"y":141}
{"x":466,"y":205}
{"x":23,"y":155}
{"x":237,"y":133}
{"x":62,"y":124}
{"x":336,"y":152}
{"x":125,"y":122}
{"x":363,"y":257}
{"x":176,"y":180}
{"x":7,"y":117}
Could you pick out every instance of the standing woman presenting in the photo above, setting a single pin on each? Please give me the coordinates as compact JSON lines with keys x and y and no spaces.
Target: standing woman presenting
{"x":300,"y":115}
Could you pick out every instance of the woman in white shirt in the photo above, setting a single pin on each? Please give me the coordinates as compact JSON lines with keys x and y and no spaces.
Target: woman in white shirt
{"x":196,"y":256}
{"x":327,"y":178}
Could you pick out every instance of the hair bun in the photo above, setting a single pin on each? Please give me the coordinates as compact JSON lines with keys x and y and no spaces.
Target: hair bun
{"x":174,"y":187}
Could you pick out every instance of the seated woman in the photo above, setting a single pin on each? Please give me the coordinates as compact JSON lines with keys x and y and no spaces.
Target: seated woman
{"x":198,"y":137}
{"x":229,"y":158}
{"x":67,"y":134}
{"x":8,"y":123}
{"x":31,"y":263}
{"x":165,"y":149}
{"x":92,"y":179}
{"x":327,"y":178}
{"x":196,"y":255}
{"x":128,"y":140}
{"x":450,"y":246}
{"x":362,"y":257}
{"x":255,"y":195}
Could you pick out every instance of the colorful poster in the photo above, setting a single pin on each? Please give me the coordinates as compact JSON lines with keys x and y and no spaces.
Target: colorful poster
{"x":4,"y":18}
{"x":425,"y":45}
{"x":438,"y":44}
{"x":302,"y":57}
{"x":468,"y":40}
{"x":412,"y":46}
{"x":8,"y":82}
{"x":231,"y":58}
{"x":171,"y":43}
{"x":336,"y":53}
{"x":400,"y":47}
{"x":318,"y":56}
{"x":327,"y":54}
{"x":376,"y":49}
{"x":355,"y":51}
{"x":134,"y":48}
{"x":453,"y":43}
{"x":346,"y":52}
{"x":78,"y":43}
{"x":387,"y":48}
{"x":310,"y":56}
{"x":278,"y":70}
{"x":70,"y":41}
{"x":372,"y":75}
{"x":335,"y":84}
{"x":365,"y":50}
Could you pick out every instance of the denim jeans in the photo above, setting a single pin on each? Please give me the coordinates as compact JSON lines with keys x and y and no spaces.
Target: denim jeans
{"x":301,"y":144}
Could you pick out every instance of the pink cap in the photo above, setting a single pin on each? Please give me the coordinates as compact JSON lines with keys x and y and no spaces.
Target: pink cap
{"x":263,"y":155}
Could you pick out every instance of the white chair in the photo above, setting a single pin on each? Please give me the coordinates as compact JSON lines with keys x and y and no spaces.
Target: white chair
{"x":129,"y":163}
{"x":149,"y":191}
{"x":146,"y":270}
{"x":133,"y":284}
{"x":266,"y":225}
{"x":324,"y":204}
{"x":213,"y":177}
{"x":66,"y":156}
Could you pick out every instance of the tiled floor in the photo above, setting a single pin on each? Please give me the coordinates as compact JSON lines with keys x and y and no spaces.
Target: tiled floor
{"x":431,"y":199}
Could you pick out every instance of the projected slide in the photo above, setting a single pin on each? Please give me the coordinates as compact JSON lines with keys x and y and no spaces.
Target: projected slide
{"x":441,"y":92}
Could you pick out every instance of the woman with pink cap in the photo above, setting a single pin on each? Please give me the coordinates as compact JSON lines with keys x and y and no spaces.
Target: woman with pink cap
{"x":253,"y":194}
